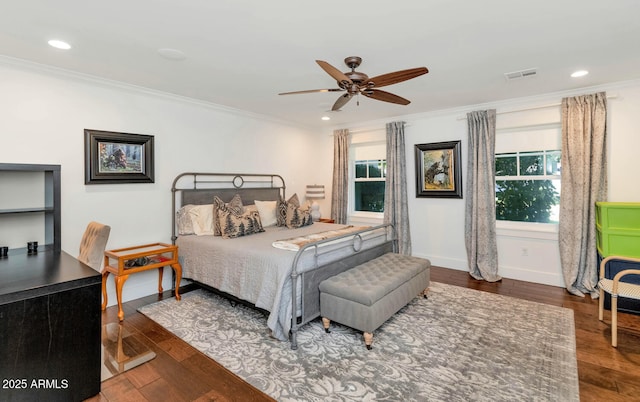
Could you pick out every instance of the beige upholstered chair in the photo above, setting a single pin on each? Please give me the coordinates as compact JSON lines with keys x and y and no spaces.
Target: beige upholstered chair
{"x":93,"y":244}
{"x":616,"y":289}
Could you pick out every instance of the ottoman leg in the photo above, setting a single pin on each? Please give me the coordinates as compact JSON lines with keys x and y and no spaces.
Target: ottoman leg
{"x":325,"y":323}
{"x":368,"y":339}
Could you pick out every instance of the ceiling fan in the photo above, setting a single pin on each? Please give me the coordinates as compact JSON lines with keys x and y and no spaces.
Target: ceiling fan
{"x":356,"y":83}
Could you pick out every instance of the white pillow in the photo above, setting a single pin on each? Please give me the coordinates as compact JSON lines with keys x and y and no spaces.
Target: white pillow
{"x":267,"y":211}
{"x":202,"y":219}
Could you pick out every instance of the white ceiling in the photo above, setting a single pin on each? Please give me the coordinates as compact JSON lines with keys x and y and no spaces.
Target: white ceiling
{"x":242,"y":53}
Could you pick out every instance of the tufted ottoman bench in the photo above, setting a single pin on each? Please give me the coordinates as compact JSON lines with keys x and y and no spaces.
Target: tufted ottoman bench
{"x":367,"y":295}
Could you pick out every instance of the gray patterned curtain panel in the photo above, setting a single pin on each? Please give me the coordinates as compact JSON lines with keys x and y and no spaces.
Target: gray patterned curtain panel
{"x":480,"y":203}
{"x":584,"y":182}
{"x":396,"y":210}
{"x":340,"y":185}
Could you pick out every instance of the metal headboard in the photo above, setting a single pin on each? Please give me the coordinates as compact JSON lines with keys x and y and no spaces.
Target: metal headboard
{"x":200,"y":188}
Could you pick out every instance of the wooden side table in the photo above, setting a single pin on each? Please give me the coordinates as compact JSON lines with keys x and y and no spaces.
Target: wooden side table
{"x":121,"y":263}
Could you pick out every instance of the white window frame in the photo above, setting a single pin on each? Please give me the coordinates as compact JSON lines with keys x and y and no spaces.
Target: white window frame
{"x":363,"y":217}
{"x":512,"y":228}
{"x":355,"y":180}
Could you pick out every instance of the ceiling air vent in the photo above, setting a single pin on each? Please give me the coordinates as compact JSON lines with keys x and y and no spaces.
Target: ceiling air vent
{"x":516,"y":75}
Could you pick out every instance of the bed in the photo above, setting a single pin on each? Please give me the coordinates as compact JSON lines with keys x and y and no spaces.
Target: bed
{"x":283,"y":281}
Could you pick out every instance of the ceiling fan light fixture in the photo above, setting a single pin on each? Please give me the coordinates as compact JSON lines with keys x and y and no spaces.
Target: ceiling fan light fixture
{"x":59,"y":44}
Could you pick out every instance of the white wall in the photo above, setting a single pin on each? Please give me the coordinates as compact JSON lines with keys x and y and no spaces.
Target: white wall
{"x":437,"y":225}
{"x":44,"y":113}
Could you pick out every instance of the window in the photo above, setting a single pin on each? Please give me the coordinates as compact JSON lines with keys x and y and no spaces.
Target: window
{"x":367,"y":174}
{"x":528,"y":186}
{"x":369,"y":185}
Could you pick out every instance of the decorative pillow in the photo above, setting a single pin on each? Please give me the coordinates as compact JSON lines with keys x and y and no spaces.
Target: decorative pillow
{"x":235,"y":225}
{"x":267,"y":210}
{"x":202,"y":219}
{"x":282,"y":209}
{"x":183,"y":220}
{"x":298,"y":217}
{"x":235,"y":205}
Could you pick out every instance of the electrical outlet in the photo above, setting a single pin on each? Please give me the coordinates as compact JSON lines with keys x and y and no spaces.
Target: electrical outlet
{"x":525,"y":252}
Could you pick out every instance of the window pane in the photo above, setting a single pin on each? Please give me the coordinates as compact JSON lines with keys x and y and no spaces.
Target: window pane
{"x":375,"y":169}
{"x":553,"y":162}
{"x":369,"y":196}
{"x":531,"y":164}
{"x":506,"y":165}
{"x":361,"y":169}
{"x":528,"y":200}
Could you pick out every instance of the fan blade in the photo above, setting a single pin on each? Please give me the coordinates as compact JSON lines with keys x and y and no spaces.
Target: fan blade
{"x":312,"y":91}
{"x":385,"y":96}
{"x":395,"y":77}
{"x":341,"y":101}
{"x":334,"y":72}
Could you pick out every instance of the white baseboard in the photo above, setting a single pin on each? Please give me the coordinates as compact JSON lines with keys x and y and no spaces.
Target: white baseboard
{"x":517,"y":273}
{"x":528,"y":275}
{"x":445,"y":262}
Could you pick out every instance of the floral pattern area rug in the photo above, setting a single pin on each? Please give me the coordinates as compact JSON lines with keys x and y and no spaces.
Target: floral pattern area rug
{"x":458,"y":345}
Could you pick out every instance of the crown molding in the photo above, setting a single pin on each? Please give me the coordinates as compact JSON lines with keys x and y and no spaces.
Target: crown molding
{"x":502,"y":106}
{"x":135,"y":89}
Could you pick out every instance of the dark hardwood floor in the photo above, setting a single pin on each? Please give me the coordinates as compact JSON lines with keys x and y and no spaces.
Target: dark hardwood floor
{"x":181,"y":373}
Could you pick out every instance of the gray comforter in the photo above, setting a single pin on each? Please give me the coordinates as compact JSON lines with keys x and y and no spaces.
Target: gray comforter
{"x":251,"y":269}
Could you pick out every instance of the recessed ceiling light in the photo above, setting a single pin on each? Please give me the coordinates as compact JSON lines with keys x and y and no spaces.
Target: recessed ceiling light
{"x":171,"y":54}
{"x":579,"y":73}
{"x":59,"y":44}
{"x":326,"y":118}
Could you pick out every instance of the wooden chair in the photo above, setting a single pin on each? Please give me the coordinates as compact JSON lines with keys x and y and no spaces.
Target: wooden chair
{"x":93,"y":243}
{"x":617,"y":289}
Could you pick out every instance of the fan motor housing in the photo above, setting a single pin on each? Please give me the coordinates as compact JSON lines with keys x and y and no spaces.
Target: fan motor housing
{"x":357,"y":77}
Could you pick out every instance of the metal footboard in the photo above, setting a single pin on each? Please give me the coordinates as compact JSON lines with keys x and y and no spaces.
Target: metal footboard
{"x":362,"y":245}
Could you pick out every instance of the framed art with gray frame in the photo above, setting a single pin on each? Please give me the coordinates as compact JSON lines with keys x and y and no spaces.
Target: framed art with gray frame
{"x":438,"y":171}
{"x":111,"y":157}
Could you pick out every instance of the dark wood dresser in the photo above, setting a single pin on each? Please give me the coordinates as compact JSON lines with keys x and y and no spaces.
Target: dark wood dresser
{"x":50,"y":323}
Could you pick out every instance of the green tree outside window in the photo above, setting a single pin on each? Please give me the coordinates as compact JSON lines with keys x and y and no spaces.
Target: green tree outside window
{"x":527,"y":186}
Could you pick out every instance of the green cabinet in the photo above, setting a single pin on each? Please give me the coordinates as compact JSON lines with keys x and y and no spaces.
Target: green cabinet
{"x":618,"y":234}
{"x":618,"y":229}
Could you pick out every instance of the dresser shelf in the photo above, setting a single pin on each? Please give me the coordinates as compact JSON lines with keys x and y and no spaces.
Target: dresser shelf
{"x":50,"y":205}
{"x":26,"y":210}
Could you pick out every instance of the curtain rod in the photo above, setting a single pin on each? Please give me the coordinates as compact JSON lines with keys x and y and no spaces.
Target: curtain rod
{"x":367,"y":130}
{"x":526,"y":109}
{"x":364,"y":130}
